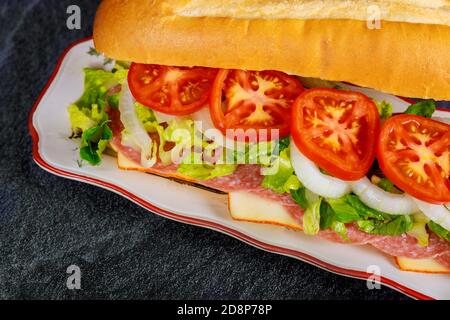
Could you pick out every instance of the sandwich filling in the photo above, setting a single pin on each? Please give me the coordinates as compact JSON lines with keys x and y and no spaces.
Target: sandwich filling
{"x":341,"y":163}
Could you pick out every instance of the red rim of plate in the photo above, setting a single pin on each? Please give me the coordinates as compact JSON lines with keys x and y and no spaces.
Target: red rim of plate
{"x":198,"y":222}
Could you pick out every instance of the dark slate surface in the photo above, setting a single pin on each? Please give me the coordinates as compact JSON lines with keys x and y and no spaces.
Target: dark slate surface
{"x":48,"y":223}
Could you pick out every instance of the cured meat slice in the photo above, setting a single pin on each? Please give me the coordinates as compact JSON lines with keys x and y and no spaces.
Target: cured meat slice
{"x":406,"y":246}
{"x":246,"y":177}
{"x":444,"y":259}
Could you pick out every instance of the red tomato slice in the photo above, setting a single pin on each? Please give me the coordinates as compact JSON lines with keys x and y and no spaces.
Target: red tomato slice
{"x":414,"y":153}
{"x":171,"y":90}
{"x":259,"y":100}
{"x":337,"y":130}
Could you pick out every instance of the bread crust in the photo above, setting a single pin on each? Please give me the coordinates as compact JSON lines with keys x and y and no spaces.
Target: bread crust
{"x":414,"y":11}
{"x":402,"y":58}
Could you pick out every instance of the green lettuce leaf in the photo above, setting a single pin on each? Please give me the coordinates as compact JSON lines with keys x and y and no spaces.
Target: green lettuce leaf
{"x":419,"y":231}
{"x":313,"y":206}
{"x":79,"y":119}
{"x":205,"y":171}
{"x":440,"y":231}
{"x":279,"y":176}
{"x":181,"y":132}
{"x":350,"y":209}
{"x":299,"y":197}
{"x":261,"y":153}
{"x":89,"y":110}
{"x":311,"y":218}
{"x":94,"y":142}
{"x":327,"y":216}
{"x":363,"y":210}
{"x":113,"y":100}
{"x":344,"y":211}
{"x":385,"y":109}
{"x":304,"y":197}
{"x":284,"y":143}
{"x":423,"y":108}
{"x":387,"y":185}
{"x":394,"y":227}
{"x":144,"y":114}
{"x":328,"y":220}
{"x":97,"y":82}
{"x":340,"y":229}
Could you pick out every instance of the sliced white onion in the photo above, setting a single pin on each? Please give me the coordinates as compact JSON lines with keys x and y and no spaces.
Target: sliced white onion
{"x":376,"y":198}
{"x":206,"y":125}
{"x":311,"y":177}
{"x":137,"y":135}
{"x":438,"y":213}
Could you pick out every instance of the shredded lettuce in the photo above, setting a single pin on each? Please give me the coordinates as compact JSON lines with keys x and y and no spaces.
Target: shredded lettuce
{"x":89,"y":110}
{"x":385,"y":109}
{"x":265,"y":153}
{"x":205,"y":171}
{"x":279,"y":176}
{"x":80,"y":119}
{"x":344,"y":211}
{"x":327,"y":216}
{"x":258,"y":153}
{"x":145,"y":115}
{"x":311,"y":218}
{"x":387,"y":185}
{"x":284,"y":143}
{"x":186,"y":149}
{"x":113,"y":100}
{"x":396,"y":226}
{"x":292,"y":183}
{"x":87,"y":115}
{"x":419,"y":231}
{"x":91,"y":104}
{"x":97,"y":82}
{"x":328,"y":220}
{"x":351,"y":209}
{"x":335,"y":213}
{"x":423,"y":108}
{"x":340,"y":229}
{"x":313,"y":206}
{"x":301,"y":197}
{"x":365,"y":211}
{"x":440,"y":231}
{"x":94,"y":142}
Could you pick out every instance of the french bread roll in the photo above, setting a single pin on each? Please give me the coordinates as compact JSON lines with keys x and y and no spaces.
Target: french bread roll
{"x":409,"y":55}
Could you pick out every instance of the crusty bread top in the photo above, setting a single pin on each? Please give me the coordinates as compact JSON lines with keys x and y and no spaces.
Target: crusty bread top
{"x":415,"y":11}
{"x":402,"y":58}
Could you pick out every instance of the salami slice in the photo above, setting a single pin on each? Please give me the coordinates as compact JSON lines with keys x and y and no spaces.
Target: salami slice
{"x":444,"y":259}
{"x":246,"y":177}
{"x":407,"y":246}
{"x":354,"y":235}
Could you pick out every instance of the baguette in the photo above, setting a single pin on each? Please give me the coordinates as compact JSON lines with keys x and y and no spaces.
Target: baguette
{"x":408,"y":55}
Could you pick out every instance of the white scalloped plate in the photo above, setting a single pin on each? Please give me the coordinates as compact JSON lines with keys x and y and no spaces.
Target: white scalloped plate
{"x":55,"y":152}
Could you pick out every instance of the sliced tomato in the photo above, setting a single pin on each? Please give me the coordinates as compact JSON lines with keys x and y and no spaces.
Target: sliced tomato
{"x":414,"y":153}
{"x":337,"y":130}
{"x":171,"y":90}
{"x":259,"y":100}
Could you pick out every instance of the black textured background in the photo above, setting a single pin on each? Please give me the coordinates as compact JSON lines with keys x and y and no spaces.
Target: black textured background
{"x":48,"y":223}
